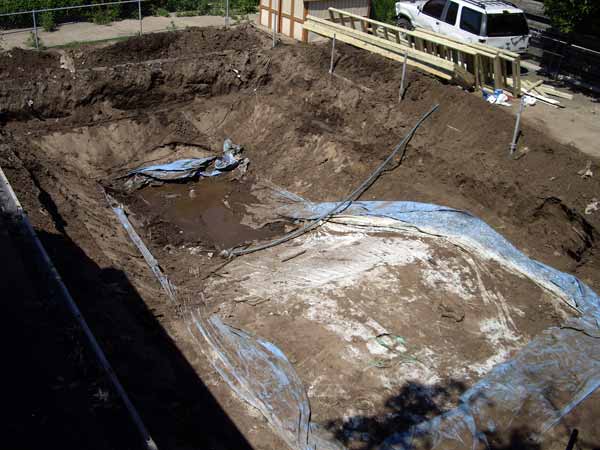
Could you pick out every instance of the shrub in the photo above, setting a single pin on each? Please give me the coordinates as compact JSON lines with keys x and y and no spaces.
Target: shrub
{"x":104,"y":15}
{"x":47,"y":21}
{"x":574,"y":15}
{"x":384,"y":11}
{"x":161,"y":12}
{"x":30,"y":42}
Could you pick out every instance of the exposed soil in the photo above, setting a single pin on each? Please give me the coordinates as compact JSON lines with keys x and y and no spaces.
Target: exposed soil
{"x":66,"y":133}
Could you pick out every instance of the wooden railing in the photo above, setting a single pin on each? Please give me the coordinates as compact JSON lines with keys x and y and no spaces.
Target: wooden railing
{"x":474,"y":65}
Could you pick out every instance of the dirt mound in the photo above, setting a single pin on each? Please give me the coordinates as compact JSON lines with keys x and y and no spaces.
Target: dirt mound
{"x":18,"y":64}
{"x":313,"y":134}
{"x":170,"y":45}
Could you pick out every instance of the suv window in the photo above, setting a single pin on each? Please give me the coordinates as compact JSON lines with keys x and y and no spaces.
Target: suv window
{"x":507,"y":24}
{"x":451,"y":13}
{"x":470,"y":20}
{"x":434,"y":8}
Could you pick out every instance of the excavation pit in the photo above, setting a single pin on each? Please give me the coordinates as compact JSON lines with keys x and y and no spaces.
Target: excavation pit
{"x":385,"y":327}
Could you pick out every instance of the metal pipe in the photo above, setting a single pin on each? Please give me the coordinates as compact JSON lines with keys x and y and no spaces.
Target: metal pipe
{"x":274,"y":30}
{"x":332,"y":54}
{"x":140,"y":15}
{"x":226,"y":13}
{"x":35,"y":32}
{"x":401,"y":93}
{"x":513,"y":144}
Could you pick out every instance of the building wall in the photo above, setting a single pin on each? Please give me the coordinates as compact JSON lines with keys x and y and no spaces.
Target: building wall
{"x":289,"y":22}
{"x":293,"y":13}
{"x":319,"y":9}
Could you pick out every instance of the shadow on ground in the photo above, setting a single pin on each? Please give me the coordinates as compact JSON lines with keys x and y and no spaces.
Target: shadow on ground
{"x":64,"y":400}
{"x":414,"y":404}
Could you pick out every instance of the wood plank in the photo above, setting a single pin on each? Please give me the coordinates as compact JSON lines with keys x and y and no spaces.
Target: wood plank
{"x":352,"y":23}
{"x":429,"y":36}
{"x":549,"y":90}
{"x":498,"y":82}
{"x":327,"y":32}
{"x":400,"y":49}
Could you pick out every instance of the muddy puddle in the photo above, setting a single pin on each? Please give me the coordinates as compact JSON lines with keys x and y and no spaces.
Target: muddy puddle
{"x":212,"y":212}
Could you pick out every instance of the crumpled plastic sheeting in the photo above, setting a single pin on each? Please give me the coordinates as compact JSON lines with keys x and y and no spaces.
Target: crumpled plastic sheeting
{"x":547,"y":379}
{"x":189,"y":168}
{"x":255,"y":369}
{"x":260,"y":374}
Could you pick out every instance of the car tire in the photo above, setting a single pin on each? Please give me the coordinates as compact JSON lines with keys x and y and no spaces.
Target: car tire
{"x":403,"y":22}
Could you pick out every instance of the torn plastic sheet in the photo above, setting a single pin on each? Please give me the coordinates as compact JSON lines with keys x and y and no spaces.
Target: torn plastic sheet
{"x":260,"y":374}
{"x":546,"y":380}
{"x":183,"y":169}
{"x":255,"y":369}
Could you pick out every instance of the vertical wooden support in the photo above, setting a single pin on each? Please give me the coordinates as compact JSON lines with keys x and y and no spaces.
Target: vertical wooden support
{"x":363,"y":25}
{"x":352,"y":23}
{"x":516,"y":77}
{"x":331,"y":16}
{"x":497,"y":72}
{"x":397,"y":35}
{"x":477,"y":70}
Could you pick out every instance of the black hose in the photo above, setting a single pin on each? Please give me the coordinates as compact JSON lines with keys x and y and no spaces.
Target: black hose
{"x":341,"y":206}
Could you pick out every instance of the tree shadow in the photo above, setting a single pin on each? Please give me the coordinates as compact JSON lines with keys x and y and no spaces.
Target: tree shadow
{"x":69,"y":402}
{"x":417,"y":403}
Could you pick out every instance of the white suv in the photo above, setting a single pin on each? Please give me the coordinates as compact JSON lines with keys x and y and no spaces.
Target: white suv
{"x":496,"y":23}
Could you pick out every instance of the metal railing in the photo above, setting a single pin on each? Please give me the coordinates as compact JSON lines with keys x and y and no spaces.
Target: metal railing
{"x":33,"y":13}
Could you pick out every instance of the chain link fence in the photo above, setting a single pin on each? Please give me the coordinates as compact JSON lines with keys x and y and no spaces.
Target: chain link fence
{"x":66,"y":24}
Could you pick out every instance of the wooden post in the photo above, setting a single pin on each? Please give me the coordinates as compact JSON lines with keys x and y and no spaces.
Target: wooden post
{"x":516,"y":76}
{"x":497,"y":72}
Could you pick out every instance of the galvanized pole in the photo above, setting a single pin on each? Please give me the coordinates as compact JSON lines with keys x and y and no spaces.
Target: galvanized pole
{"x":332,"y":55}
{"x":274,"y":30}
{"x":513,"y":144}
{"x":35,"y":32}
{"x":140,"y":15}
{"x":401,"y":92}
{"x":226,"y":13}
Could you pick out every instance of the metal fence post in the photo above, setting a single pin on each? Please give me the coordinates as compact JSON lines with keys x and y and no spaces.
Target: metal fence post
{"x":226,"y":13}
{"x":332,"y":55}
{"x":274,"y":28}
{"x":513,"y":144}
{"x":35,"y":32}
{"x":401,"y":94}
{"x":140,"y":15}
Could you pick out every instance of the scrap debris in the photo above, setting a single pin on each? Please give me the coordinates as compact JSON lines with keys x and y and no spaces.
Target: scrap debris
{"x":592,"y":207}
{"x":586,"y":172}
{"x":540,"y":91}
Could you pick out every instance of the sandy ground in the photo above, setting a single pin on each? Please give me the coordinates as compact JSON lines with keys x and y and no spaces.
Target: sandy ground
{"x":70,"y":130}
{"x":576,"y":125}
{"x":86,"y":31}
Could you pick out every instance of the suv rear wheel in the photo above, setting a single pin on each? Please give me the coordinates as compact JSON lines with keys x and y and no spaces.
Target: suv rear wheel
{"x":403,"y":22}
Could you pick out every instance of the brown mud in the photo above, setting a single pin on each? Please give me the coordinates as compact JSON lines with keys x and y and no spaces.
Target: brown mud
{"x":65,"y":134}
